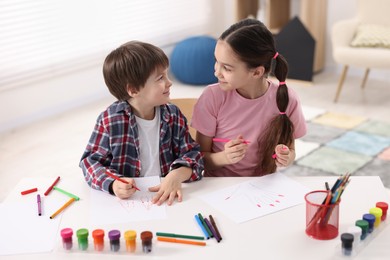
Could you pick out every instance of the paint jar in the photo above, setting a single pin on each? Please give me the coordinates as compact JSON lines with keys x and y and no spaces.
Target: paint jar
{"x":377,"y":212}
{"x":114,"y":236}
{"x":370,"y":219}
{"x":146,"y":238}
{"x":363,"y":224}
{"x":130,"y":236}
{"x":82,"y":237}
{"x":322,"y":220}
{"x":67,"y":241}
{"x":346,"y":244}
{"x":383,"y":206}
{"x":98,"y":239}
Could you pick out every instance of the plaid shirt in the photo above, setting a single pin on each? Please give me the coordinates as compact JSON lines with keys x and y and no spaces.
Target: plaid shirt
{"x":114,"y":146}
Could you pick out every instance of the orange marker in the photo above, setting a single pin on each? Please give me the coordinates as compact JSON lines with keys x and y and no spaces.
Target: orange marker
{"x":29,"y":191}
{"x":181,"y":241}
{"x":62,"y":208}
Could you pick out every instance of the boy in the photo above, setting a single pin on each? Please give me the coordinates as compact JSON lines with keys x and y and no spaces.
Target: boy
{"x":140,"y":134}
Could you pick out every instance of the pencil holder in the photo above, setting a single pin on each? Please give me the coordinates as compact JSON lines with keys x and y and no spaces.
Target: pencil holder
{"x":322,"y":218}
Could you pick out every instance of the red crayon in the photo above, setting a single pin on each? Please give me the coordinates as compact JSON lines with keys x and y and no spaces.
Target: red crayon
{"x":29,"y":191}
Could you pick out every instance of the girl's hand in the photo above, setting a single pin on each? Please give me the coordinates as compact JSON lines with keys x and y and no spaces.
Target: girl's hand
{"x":123,"y":190}
{"x":235,"y":150}
{"x":282,"y":155}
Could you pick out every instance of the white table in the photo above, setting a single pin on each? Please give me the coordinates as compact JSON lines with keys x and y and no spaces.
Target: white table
{"x":276,"y":236}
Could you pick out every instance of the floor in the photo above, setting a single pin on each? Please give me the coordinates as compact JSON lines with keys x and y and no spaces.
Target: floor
{"x":53,"y":147}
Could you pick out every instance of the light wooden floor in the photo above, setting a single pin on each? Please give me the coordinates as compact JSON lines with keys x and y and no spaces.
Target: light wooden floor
{"x":53,"y":147}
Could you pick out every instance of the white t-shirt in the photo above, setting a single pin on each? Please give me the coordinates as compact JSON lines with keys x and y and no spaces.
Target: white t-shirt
{"x":149,"y":139}
{"x":227,"y":114}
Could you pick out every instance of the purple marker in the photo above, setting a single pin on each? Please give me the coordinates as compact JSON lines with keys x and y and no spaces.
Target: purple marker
{"x":39,"y":205}
{"x":212,"y":230}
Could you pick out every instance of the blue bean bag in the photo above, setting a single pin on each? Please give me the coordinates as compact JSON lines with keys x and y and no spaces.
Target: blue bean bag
{"x":192,"y":60}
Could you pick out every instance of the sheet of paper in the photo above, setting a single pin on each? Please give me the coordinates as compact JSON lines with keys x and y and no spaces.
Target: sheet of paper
{"x":258,"y":197}
{"x":23,"y":231}
{"x":108,"y":209}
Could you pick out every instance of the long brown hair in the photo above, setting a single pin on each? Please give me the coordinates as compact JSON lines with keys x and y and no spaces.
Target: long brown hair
{"x":254,"y":44}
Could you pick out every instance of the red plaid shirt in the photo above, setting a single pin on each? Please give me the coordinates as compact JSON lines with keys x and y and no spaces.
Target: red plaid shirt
{"x":114,"y":146}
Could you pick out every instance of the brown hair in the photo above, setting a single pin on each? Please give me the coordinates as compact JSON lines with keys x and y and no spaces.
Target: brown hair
{"x":254,"y":45}
{"x":130,"y":65}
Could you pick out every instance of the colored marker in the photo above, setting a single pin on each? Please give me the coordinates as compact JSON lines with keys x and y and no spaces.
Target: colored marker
{"x":225,"y":140}
{"x":215,"y":226}
{"x":119,"y":179}
{"x":205,"y":225}
{"x":212,"y":229}
{"x":29,"y":191}
{"x":39,"y":204}
{"x":51,"y":186}
{"x":62,"y":208}
{"x":66,"y":193}
{"x":206,"y":234}
{"x":181,"y":241}
{"x":161,"y":234}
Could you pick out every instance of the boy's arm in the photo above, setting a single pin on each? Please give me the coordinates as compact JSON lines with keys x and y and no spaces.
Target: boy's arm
{"x":95,"y":159}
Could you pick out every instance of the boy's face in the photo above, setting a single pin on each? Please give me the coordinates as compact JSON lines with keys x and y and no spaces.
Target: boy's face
{"x":156,"y":89}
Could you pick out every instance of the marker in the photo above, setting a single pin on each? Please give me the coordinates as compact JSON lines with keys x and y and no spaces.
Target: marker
{"x":119,"y":179}
{"x":225,"y":140}
{"x":212,"y":229}
{"x":66,"y":193}
{"x":206,"y":234}
{"x":51,"y":186}
{"x":181,"y":241}
{"x":29,"y":191}
{"x":161,"y":234}
{"x":215,"y":226}
{"x":205,"y":225}
{"x":39,"y":205}
{"x":62,"y":208}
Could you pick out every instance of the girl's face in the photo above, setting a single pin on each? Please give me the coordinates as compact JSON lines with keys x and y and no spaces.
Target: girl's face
{"x":231,"y":72}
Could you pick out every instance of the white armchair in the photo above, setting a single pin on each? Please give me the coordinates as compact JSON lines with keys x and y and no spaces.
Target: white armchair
{"x":372,"y":54}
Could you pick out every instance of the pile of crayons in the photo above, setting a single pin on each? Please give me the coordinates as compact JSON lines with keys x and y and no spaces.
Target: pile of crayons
{"x":333,"y":196}
{"x":52,"y":187}
{"x":208,"y":227}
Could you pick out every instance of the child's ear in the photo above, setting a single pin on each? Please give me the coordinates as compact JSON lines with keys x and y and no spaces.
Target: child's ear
{"x":259,"y":72}
{"x":132,"y":91}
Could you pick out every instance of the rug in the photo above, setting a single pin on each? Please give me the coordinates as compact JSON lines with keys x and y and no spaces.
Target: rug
{"x":339,"y":143}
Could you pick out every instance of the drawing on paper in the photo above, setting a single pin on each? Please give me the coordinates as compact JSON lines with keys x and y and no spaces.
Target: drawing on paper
{"x":140,"y":202}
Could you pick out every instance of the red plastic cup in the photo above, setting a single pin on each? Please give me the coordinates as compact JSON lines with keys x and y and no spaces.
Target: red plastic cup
{"x":322,"y":221}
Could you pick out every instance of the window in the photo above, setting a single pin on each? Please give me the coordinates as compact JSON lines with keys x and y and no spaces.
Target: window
{"x":43,"y":38}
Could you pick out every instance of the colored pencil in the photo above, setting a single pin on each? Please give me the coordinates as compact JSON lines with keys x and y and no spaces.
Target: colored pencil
{"x":119,"y":179}
{"x":29,"y":191}
{"x":66,"y":193}
{"x":225,"y":140}
{"x":162,"y":234}
{"x":181,"y":241}
{"x":62,"y":208}
{"x":51,"y":186}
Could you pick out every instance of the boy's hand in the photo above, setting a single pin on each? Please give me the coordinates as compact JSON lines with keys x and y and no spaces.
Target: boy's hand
{"x":123,"y":190}
{"x":235,"y":150}
{"x":171,"y":186}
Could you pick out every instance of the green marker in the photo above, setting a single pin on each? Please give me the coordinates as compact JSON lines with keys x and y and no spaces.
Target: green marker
{"x":205,"y":225}
{"x":66,"y":193}
{"x":161,"y":234}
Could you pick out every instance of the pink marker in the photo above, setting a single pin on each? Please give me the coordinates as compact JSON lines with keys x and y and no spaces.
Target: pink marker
{"x":225,"y":140}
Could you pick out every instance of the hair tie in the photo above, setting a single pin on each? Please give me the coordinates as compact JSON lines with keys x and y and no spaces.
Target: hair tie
{"x":275,"y":56}
{"x":282,"y":113}
{"x":282,"y":83}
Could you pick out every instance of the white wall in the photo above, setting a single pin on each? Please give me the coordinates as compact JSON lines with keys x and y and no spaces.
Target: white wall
{"x":37,"y":100}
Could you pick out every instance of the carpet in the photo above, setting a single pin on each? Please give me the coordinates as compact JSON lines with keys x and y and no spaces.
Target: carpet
{"x":339,"y":143}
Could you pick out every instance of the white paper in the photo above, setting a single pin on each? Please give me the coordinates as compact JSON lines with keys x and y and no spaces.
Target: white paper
{"x":257,"y":197}
{"x":108,"y":209}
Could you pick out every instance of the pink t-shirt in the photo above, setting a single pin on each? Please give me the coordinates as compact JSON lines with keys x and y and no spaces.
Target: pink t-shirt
{"x":226,"y":114}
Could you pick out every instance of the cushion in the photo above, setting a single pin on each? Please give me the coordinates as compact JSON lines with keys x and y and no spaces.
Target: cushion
{"x":192,"y":60}
{"x":371,"y":35}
